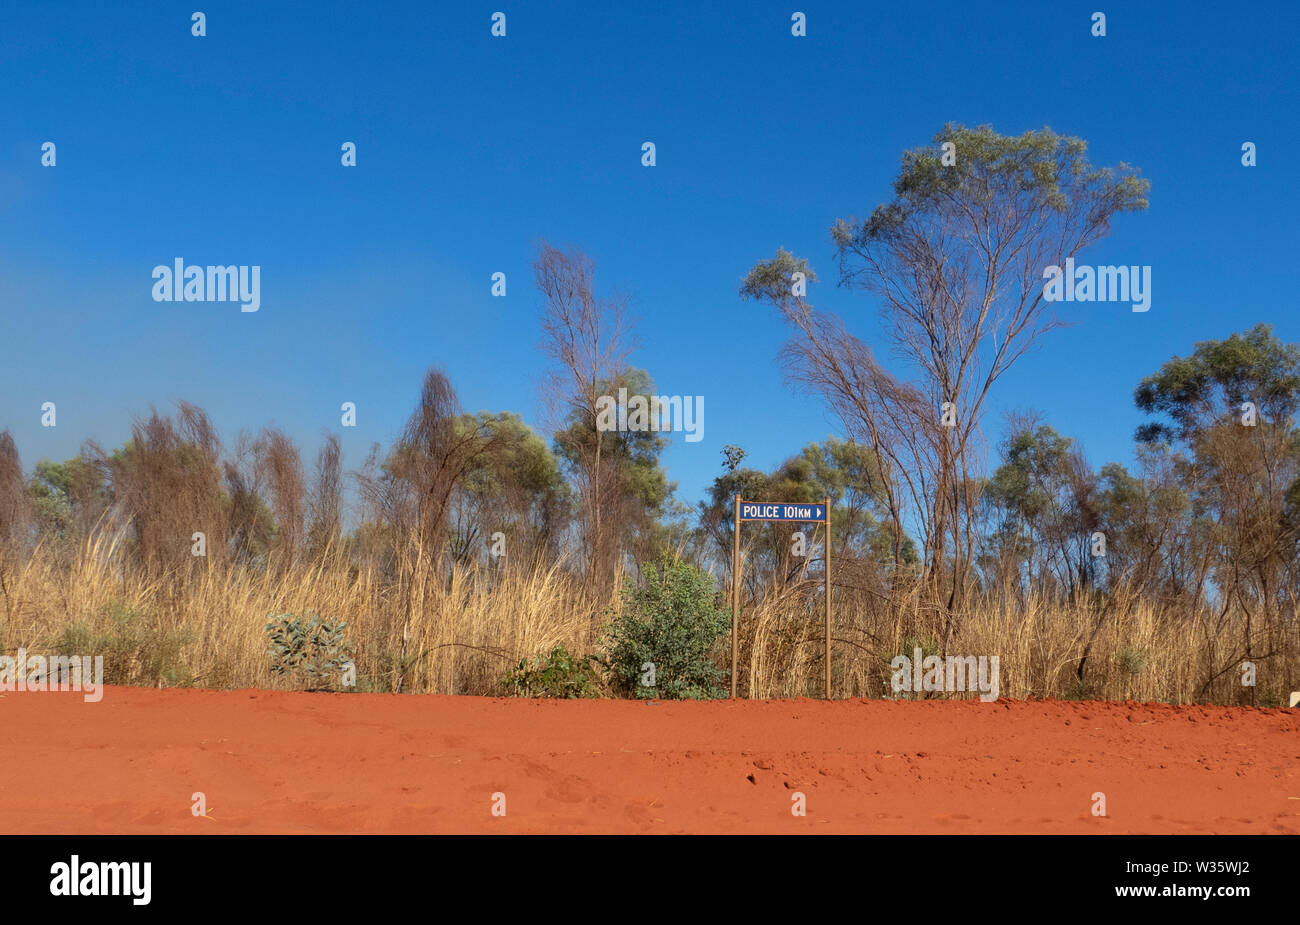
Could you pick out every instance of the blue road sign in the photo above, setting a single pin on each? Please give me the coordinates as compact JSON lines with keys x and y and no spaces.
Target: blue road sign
{"x":769,"y":510}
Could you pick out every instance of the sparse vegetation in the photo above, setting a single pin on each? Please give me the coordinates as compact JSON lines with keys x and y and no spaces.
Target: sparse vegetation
{"x":312,"y":652}
{"x":556,"y":674}
{"x":472,"y":543}
{"x":137,"y":649}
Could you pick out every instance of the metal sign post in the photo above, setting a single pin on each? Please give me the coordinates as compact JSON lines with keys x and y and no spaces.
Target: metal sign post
{"x":772,"y":511}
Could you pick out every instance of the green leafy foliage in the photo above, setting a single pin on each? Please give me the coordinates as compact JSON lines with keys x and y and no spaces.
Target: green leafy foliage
{"x":66,"y":494}
{"x":556,"y":674}
{"x":314,"y":652}
{"x":1199,"y":391}
{"x":1038,"y":170}
{"x":137,"y":649}
{"x":668,"y":630}
{"x":847,"y":472}
{"x":633,"y":454}
{"x":1130,"y":660}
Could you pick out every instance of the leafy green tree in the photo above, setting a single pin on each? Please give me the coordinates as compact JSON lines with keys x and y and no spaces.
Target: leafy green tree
{"x":1230,"y":408}
{"x":849,"y":474}
{"x":515,"y":488}
{"x":1208,"y":388}
{"x":1155,"y":543}
{"x":633,"y":489}
{"x":1045,"y":496}
{"x":67,"y":497}
{"x":844,"y":471}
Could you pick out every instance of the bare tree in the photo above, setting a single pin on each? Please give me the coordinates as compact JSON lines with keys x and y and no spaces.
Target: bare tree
{"x":589,"y":339}
{"x":168,"y":483}
{"x":14,"y":512}
{"x":279,"y":467}
{"x":415,"y":490}
{"x":326,"y":502}
{"x":13,"y":494}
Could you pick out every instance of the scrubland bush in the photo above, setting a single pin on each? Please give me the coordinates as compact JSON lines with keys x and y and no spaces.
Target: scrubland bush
{"x":661,"y":644}
{"x":557,"y":674}
{"x":311,"y":652}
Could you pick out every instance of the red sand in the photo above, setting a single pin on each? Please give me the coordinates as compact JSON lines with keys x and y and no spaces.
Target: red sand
{"x":290,"y":763}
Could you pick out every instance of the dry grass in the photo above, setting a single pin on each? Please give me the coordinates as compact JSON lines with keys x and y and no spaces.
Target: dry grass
{"x":206,"y":628}
{"x":1134,"y":649}
{"x":463,"y":638}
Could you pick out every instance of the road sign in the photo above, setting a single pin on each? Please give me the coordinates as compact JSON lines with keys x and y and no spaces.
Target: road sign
{"x":779,"y":510}
{"x":773,"y":511}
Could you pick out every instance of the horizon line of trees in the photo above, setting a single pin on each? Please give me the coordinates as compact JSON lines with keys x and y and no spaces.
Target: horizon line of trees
{"x":1211,"y":513}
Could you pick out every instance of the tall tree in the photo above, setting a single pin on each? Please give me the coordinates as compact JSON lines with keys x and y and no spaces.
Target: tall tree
{"x":1232,"y":406}
{"x":279,"y":467}
{"x":325,"y":504}
{"x":516,"y":489}
{"x":956,"y":260}
{"x":167,"y":480}
{"x":633,"y":488}
{"x":414,"y":490}
{"x":588,"y":338}
{"x":1045,"y":494}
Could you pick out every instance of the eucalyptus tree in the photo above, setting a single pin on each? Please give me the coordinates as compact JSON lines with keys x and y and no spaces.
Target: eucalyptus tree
{"x":956,"y":261}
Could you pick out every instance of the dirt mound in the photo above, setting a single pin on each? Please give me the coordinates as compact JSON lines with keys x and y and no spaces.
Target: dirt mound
{"x":287,"y":762}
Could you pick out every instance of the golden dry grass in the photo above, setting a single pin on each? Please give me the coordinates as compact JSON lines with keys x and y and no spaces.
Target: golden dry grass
{"x":208,"y":629}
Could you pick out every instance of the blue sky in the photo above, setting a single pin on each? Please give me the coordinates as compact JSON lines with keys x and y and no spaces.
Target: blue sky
{"x":225,"y":149}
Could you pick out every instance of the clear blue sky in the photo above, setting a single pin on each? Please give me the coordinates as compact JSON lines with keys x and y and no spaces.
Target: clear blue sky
{"x":225,"y":149}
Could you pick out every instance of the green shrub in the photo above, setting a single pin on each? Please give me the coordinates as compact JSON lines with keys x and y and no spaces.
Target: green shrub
{"x":557,"y":674}
{"x":137,"y":649}
{"x":666,"y":635}
{"x":313,"y":652}
{"x":1130,"y":660}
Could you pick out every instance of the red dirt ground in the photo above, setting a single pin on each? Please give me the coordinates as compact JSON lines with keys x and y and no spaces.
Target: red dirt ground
{"x":369,"y":763}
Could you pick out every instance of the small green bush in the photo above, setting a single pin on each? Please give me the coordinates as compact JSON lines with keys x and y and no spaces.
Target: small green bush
{"x":557,"y":674}
{"x":313,"y":652}
{"x":667,"y":631}
{"x":1130,"y":660}
{"x":136,"y":648}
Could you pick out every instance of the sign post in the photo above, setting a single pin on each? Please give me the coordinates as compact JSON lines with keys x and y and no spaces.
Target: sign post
{"x":735,"y":600}
{"x":774,"y":511}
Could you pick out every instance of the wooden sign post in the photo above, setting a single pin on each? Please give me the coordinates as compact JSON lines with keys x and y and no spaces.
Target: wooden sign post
{"x":770,"y":511}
